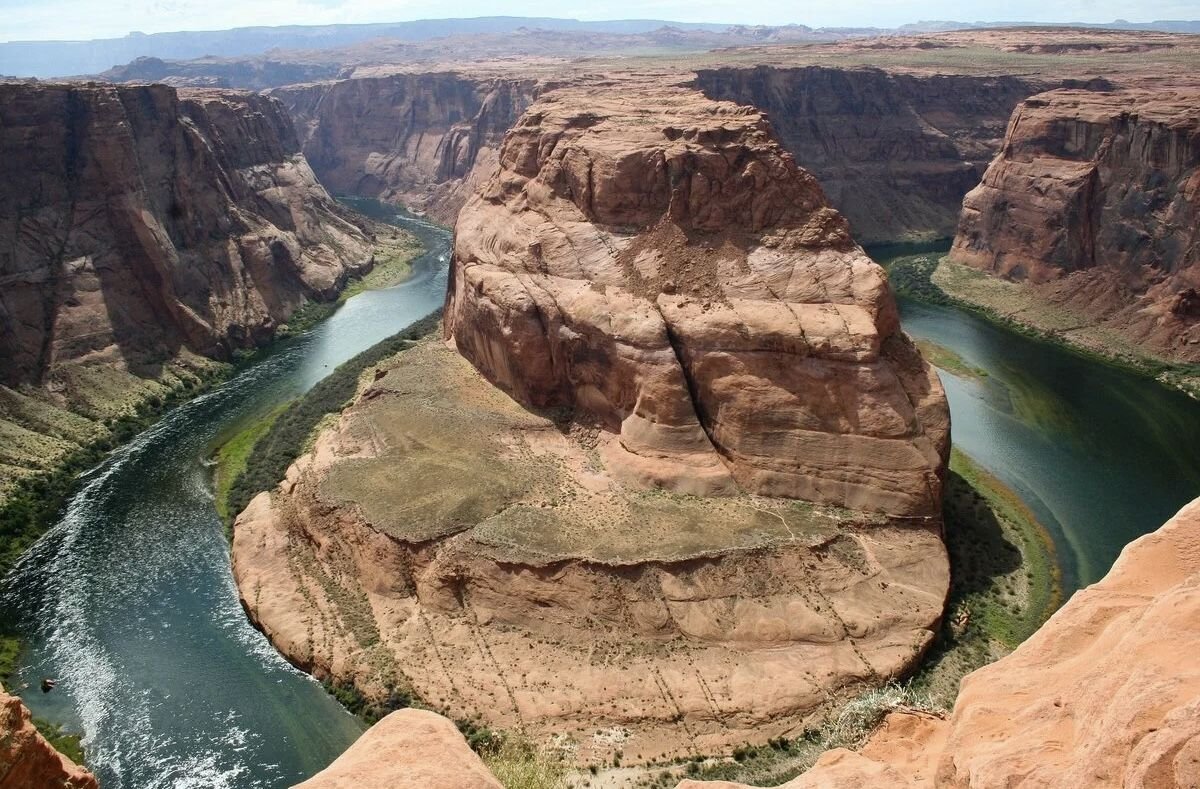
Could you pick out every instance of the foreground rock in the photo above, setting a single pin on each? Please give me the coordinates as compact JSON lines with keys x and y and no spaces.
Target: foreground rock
{"x":27,"y":759}
{"x":140,"y":229}
{"x":409,"y":749}
{"x":1093,"y":202}
{"x":655,"y":259}
{"x":1106,"y":694}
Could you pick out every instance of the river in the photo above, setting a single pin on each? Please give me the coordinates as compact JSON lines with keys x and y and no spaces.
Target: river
{"x":130,"y":603}
{"x":129,"y":600}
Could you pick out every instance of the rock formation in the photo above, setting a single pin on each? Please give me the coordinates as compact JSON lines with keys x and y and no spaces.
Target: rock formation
{"x":895,"y":152}
{"x":1105,"y":694}
{"x":409,"y":749}
{"x":27,"y":759}
{"x":655,"y":259}
{"x":410,"y":138}
{"x":1094,"y":201}
{"x":676,"y":312}
{"x":140,"y":227}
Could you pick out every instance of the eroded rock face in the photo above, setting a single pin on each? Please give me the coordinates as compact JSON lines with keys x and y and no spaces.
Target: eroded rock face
{"x":894,"y":152}
{"x":27,"y":759}
{"x":136,"y":222}
{"x":655,"y":259}
{"x":419,"y":139}
{"x":1094,"y":200}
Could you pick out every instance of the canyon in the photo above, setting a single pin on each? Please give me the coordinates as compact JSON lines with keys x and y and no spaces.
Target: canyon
{"x":144,"y":231}
{"x":622,"y":550}
{"x":27,"y":759}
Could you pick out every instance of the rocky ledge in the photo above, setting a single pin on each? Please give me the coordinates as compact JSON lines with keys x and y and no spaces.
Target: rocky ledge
{"x":27,"y":759}
{"x":1093,"y":202}
{"x":677,"y":489}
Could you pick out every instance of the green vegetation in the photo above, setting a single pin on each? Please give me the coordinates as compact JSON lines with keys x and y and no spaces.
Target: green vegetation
{"x":520,"y":764}
{"x":232,"y":457}
{"x":69,"y":745}
{"x":945,"y":359}
{"x":285,"y":438}
{"x":921,"y":276}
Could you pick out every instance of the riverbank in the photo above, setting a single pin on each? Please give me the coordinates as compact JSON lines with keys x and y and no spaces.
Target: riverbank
{"x":927,"y":275}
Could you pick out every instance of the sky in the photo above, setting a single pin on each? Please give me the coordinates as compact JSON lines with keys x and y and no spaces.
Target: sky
{"x":86,"y":19}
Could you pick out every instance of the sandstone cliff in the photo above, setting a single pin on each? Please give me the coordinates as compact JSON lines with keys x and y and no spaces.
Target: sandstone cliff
{"x":140,"y":227}
{"x":1105,"y":694}
{"x":1094,"y":201}
{"x":27,"y":760}
{"x":656,"y":260}
{"x":895,"y":152}
{"x":410,"y":138}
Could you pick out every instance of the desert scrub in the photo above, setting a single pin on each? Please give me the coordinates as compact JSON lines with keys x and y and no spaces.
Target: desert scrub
{"x":69,"y":745}
{"x":520,"y":764}
{"x":286,"y":437}
{"x":232,"y":455}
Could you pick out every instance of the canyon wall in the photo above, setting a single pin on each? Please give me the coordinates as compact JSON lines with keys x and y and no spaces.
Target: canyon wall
{"x":1094,"y":201}
{"x":409,"y":138}
{"x":138,"y":221}
{"x":895,"y":152}
{"x":1105,"y":694}
{"x":655,"y":259}
{"x":143,"y":230}
{"x":27,"y":759}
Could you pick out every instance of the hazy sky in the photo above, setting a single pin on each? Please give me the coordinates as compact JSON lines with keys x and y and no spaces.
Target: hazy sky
{"x":83,"y":19}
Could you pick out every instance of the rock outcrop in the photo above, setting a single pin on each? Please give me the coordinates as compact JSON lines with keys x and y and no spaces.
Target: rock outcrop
{"x":1094,"y":201}
{"x":422,"y":139}
{"x":409,"y":749}
{"x":142,"y":229}
{"x":655,"y":259}
{"x":1105,"y":694}
{"x":27,"y":759}
{"x":895,"y":152}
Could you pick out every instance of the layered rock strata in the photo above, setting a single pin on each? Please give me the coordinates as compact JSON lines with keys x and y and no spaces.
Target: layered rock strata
{"x":1094,"y":202}
{"x":142,"y":229}
{"x":895,"y":152}
{"x":422,"y":139}
{"x":1105,"y":694}
{"x":656,"y":260}
{"x":27,"y":759}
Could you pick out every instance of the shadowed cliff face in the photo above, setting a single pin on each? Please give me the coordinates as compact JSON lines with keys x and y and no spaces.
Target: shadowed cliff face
{"x":409,"y":138}
{"x":656,"y":259}
{"x":1095,"y":200}
{"x":136,"y":222}
{"x":895,"y":153}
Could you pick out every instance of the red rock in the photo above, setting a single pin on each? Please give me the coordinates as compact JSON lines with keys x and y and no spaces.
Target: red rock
{"x":1094,"y":200}
{"x":27,"y":760}
{"x":656,"y":259}
{"x":136,"y":221}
